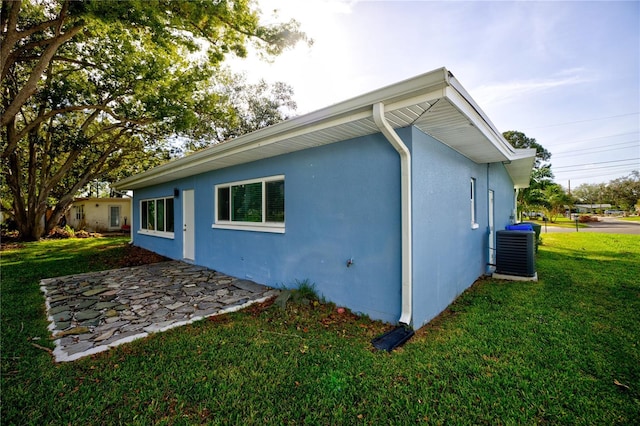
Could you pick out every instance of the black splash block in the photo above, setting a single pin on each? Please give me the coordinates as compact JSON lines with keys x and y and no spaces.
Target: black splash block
{"x":393,"y":338}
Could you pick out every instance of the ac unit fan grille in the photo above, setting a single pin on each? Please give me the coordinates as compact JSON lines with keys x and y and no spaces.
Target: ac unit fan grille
{"x":515,"y":253}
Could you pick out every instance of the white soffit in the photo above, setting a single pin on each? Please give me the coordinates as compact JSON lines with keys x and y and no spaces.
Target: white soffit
{"x":433,"y":102}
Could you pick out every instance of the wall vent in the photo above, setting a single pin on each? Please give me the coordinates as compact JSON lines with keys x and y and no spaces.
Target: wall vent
{"x":515,"y":253}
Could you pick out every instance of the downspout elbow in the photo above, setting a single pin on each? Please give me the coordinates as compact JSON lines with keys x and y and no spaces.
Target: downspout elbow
{"x":406,"y":316}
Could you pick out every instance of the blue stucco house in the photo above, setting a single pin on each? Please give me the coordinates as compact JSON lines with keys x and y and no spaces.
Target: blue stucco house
{"x":387,"y":202}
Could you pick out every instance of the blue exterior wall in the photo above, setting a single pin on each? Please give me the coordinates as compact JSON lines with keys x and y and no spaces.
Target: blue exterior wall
{"x":342,"y":201}
{"x":448,"y":255}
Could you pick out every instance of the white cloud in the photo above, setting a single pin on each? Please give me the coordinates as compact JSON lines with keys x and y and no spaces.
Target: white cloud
{"x":517,"y":90}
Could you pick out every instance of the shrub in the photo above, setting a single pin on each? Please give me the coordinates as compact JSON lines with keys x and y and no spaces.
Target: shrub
{"x":306,"y":290}
{"x":59,"y":233}
{"x":585,"y":218}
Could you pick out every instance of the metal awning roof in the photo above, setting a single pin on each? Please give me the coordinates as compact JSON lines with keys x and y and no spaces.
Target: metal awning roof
{"x":433,"y":102}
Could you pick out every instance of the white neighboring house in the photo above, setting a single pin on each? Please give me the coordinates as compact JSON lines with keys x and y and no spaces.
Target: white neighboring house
{"x":591,"y":208}
{"x":100,"y":214}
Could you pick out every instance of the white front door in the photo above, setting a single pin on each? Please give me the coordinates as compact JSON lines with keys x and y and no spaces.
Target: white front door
{"x":492,"y":236}
{"x":189,"y":225}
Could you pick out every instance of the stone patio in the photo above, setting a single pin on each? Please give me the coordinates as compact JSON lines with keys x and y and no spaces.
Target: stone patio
{"x":90,"y":313}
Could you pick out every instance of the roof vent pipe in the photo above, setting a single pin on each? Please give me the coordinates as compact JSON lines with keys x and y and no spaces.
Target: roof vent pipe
{"x":406,"y":316}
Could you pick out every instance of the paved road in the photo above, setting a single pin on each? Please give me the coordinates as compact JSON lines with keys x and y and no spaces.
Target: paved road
{"x":607,"y":225}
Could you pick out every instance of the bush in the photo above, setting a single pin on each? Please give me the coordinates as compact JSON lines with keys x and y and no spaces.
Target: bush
{"x":59,"y":233}
{"x":585,"y":218}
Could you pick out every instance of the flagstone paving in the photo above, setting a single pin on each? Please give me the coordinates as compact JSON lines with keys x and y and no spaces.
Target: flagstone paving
{"x":90,"y":313}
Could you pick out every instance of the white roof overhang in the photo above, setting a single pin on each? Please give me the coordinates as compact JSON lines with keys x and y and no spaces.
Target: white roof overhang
{"x":433,"y":102}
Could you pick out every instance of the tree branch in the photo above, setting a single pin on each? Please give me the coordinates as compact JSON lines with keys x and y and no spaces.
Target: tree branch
{"x":31,"y":85}
{"x":55,"y":112}
{"x":10,"y":36}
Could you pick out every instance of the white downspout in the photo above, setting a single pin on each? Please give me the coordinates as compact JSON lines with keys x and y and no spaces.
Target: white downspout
{"x":406,"y":316}
{"x":131,"y":221}
{"x":515,"y":205}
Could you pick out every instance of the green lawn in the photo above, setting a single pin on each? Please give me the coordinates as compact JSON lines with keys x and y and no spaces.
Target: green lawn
{"x":565,"y":350}
{"x":563,"y":222}
{"x":631,"y":218}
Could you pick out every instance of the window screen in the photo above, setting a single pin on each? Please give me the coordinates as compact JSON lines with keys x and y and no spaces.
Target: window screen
{"x":144,"y":214}
{"x":157,"y":215}
{"x":169,"y":214}
{"x":259,"y":201}
{"x":160,"y":215}
{"x":247,"y":202}
{"x":223,"y":204}
{"x":274,"y":201}
{"x":151,"y":215}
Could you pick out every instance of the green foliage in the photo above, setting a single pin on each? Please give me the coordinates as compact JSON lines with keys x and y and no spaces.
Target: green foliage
{"x":520,"y":140}
{"x":534,"y":197}
{"x":306,"y":290}
{"x":588,"y":193}
{"x":544,"y":194}
{"x":555,"y":201}
{"x":559,"y":351}
{"x":237,"y":107}
{"x":626,"y":191}
{"x":95,"y":89}
{"x":623,"y":192}
{"x":302,"y":292}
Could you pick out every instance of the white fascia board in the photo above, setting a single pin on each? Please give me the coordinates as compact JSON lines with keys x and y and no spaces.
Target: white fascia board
{"x":520,"y":167}
{"x":478,"y":121}
{"x":422,"y":87}
{"x":522,"y":153}
{"x":236,"y":146}
{"x":455,"y":84}
{"x":518,"y":162}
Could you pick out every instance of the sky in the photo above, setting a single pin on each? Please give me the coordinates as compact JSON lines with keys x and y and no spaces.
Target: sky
{"x":566,"y":73}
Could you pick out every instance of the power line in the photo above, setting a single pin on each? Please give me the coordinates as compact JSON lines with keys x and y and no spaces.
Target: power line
{"x":591,"y":176}
{"x":591,"y":164}
{"x":611,"y":169}
{"x":582,"y":121}
{"x":604,"y":146}
{"x":632,"y":144}
{"x":576,"y":141}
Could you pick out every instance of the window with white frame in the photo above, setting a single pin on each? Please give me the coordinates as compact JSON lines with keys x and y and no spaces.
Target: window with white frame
{"x":252,"y":205}
{"x":474,"y":223}
{"x":156,"y":217}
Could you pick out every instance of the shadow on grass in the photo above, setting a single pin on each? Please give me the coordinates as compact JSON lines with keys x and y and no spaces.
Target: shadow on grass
{"x":510,"y":353}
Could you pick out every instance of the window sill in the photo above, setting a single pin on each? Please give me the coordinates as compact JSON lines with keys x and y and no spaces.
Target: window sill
{"x":168,"y":235}
{"x":475,"y":226}
{"x":256,"y":227}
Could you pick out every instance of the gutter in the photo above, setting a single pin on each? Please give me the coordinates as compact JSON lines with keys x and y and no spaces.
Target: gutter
{"x":406,"y":316}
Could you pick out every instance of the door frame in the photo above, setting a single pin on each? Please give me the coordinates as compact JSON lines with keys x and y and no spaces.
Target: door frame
{"x":110,"y":216}
{"x":188,"y":225}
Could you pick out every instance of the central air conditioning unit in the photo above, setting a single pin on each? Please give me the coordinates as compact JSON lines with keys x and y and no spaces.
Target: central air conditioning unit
{"x":515,"y":253}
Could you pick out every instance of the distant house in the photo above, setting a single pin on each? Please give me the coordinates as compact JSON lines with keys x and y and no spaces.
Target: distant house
{"x":99,"y":214}
{"x":388,"y":202}
{"x":591,"y":208}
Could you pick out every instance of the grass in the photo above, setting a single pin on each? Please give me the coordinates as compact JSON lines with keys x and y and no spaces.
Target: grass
{"x":564,"y":350}
{"x":631,"y":218}
{"x":563,"y":222}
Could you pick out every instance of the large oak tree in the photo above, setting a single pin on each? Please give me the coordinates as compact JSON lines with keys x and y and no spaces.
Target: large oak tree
{"x":95,"y":89}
